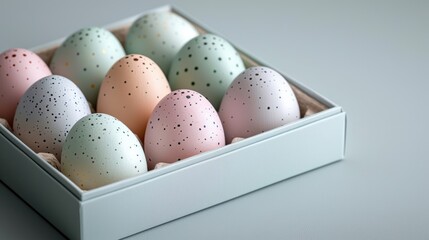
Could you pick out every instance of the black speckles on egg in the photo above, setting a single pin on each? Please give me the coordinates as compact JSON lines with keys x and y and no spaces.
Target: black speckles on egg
{"x":102,"y":150}
{"x":183,"y":124}
{"x":46,"y":113}
{"x":258,"y":100}
{"x":206,"y":64}
{"x":85,"y":57}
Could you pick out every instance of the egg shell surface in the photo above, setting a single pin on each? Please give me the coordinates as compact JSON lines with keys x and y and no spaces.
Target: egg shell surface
{"x":258,"y":100}
{"x":131,"y":90}
{"x":206,"y":64}
{"x":159,"y":35}
{"x":19,"y":69}
{"x":85,"y":57}
{"x":46,"y":113}
{"x":100,"y":150}
{"x":183,"y":124}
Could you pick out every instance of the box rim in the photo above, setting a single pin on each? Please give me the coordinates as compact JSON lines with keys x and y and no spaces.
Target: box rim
{"x":110,"y":27}
{"x":206,"y":156}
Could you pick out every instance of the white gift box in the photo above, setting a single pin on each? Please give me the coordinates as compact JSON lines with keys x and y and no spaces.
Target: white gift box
{"x":139,"y":203}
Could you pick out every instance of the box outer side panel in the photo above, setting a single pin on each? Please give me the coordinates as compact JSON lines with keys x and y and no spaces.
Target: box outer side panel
{"x":95,"y":193}
{"x":205,"y":184}
{"x":39,"y":189}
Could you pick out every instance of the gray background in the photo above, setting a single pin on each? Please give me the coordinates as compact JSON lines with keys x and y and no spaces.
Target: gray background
{"x":371,"y":57}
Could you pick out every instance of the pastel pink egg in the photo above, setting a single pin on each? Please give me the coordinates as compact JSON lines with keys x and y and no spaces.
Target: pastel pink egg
{"x":19,"y":69}
{"x":258,"y":100}
{"x":183,"y":124}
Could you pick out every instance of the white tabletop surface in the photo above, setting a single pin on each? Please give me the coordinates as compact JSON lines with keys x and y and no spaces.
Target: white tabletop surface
{"x":370,"y":57}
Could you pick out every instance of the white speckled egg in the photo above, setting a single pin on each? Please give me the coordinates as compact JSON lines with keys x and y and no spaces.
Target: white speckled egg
{"x":19,"y":69}
{"x":258,"y":100}
{"x":131,"y":90}
{"x":159,"y":35}
{"x":206,"y":64}
{"x":183,"y":124}
{"x":85,"y":57}
{"x":100,"y":150}
{"x":47,"y":111}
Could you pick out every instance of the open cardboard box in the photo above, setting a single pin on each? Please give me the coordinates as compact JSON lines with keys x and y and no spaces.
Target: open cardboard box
{"x":136,"y":204}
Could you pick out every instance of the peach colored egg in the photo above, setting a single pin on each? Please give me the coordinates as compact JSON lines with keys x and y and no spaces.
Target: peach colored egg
{"x":183,"y":124}
{"x":19,"y":69}
{"x":131,"y":90}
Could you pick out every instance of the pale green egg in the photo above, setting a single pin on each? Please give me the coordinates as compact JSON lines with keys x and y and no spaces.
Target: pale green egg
{"x":85,"y":57}
{"x":100,"y":150}
{"x":206,"y":64}
{"x":159,"y":36}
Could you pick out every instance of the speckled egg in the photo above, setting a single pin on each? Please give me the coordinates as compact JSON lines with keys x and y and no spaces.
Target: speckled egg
{"x":206,"y":64}
{"x":131,"y":90}
{"x":183,"y":124}
{"x":19,"y":69}
{"x":159,"y":35}
{"x":85,"y":57}
{"x":100,"y":150}
{"x":258,"y":100}
{"x":47,"y":111}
